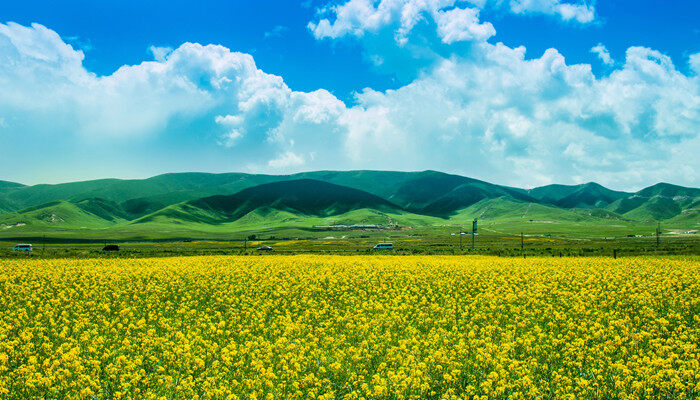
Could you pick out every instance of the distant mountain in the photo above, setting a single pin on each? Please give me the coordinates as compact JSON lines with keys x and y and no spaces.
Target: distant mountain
{"x":88,"y":214}
{"x":416,"y":191}
{"x":668,"y":190}
{"x":654,"y":209}
{"x":10,"y":185}
{"x":321,"y":197}
{"x":305,"y":197}
{"x":162,"y":190}
{"x":656,"y":203}
{"x":426,"y":192}
{"x":587,"y":195}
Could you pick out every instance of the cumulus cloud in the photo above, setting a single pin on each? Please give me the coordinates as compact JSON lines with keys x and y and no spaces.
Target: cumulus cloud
{"x":358,"y":17}
{"x":540,"y":119}
{"x":462,"y":24}
{"x":286,"y":160}
{"x":160,"y":52}
{"x":45,"y":85}
{"x":603,"y":54}
{"x":492,"y":113}
{"x":581,"y":12}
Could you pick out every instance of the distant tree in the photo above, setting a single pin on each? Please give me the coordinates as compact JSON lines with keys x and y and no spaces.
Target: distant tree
{"x":251,"y":237}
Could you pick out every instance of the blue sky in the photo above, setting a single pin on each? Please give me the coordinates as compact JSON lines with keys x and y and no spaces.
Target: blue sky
{"x":447,"y":88}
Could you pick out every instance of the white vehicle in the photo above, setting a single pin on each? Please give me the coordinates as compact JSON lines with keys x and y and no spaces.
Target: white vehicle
{"x":384,"y":246}
{"x":22,"y":247}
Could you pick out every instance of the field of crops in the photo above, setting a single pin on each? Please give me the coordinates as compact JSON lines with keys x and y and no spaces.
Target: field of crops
{"x":340,"y":327}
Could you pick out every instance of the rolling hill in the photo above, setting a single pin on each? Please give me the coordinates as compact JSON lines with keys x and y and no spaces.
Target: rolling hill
{"x":587,"y":195}
{"x":185,"y":201}
{"x":89,"y":214}
{"x":305,"y":197}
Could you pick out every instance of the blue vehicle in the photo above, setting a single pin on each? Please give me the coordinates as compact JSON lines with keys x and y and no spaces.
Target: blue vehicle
{"x":384,"y":246}
{"x":22,"y":247}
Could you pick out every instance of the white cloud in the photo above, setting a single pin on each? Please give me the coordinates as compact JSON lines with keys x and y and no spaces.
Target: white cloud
{"x":462,"y":24}
{"x":160,"y":53}
{"x":499,"y":112}
{"x":358,"y":17}
{"x":286,"y":160}
{"x":581,"y":12}
{"x":694,"y":62}
{"x":603,"y":54}
{"x":492,"y":114}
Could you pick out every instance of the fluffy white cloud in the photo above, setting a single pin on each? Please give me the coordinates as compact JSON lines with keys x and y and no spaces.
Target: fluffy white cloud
{"x":492,"y":113}
{"x":357,"y":17}
{"x":537,"y":121}
{"x":581,"y":12}
{"x":462,"y":24}
{"x":45,"y":85}
{"x":160,"y":53}
{"x":603,"y":54}
{"x":286,"y":160}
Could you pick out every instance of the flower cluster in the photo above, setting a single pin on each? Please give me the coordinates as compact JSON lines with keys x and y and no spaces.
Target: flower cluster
{"x":350,"y":327}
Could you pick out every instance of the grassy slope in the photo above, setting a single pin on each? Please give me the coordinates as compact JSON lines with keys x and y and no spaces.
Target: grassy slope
{"x":163,"y":189}
{"x":300,"y":197}
{"x":655,"y":209}
{"x":59,"y":215}
{"x":456,"y":199}
{"x":411,"y":190}
{"x":588,"y":195}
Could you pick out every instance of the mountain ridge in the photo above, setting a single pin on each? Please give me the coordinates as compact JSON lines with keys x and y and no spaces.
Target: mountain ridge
{"x":422,"y":197}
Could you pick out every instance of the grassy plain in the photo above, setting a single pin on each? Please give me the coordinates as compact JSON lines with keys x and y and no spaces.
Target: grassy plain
{"x":349,"y":327}
{"x":500,"y":237}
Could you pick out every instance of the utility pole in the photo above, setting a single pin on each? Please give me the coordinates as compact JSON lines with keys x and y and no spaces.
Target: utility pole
{"x":43,"y":249}
{"x":658,"y":232}
{"x":473,"y":232}
{"x":461,"y":232}
{"x":522,"y":244}
{"x":245,"y":244}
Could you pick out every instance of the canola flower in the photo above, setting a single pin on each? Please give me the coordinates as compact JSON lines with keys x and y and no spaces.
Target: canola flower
{"x":339,"y":327}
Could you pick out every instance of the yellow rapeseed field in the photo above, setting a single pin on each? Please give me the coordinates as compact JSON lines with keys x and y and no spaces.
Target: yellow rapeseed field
{"x":336,"y":327}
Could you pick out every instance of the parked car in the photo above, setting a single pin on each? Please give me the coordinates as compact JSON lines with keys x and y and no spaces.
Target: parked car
{"x":264,"y":248}
{"x":22,"y":247}
{"x":384,"y":246}
{"x":111,"y":247}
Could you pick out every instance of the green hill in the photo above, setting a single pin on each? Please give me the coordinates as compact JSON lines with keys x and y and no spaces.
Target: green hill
{"x":655,"y":209}
{"x":552,"y":193}
{"x":161,"y":190}
{"x":669,"y":190}
{"x":509,"y":209}
{"x":186,"y":203}
{"x":658,"y":202}
{"x":306,"y":197}
{"x":60,"y":215}
{"x":427,"y":191}
{"x":587,"y":195}
{"x":9,"y":185}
